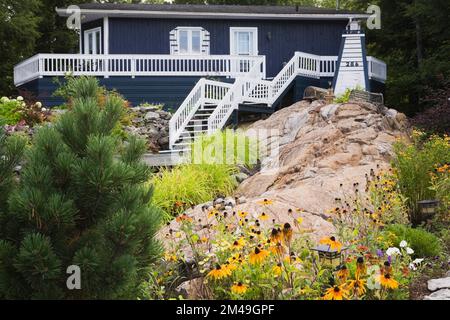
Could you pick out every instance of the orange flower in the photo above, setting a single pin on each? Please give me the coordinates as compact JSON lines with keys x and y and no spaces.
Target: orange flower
{"x":336,"y":293}
{"x":332,"y":242}
{"x":258,"y":256}
{"x":219,"y":272}
{"x":239,"y":288}
{"x":387,"y":281}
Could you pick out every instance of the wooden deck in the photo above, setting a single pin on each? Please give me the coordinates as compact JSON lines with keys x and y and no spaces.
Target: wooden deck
{"x":165,"y":159}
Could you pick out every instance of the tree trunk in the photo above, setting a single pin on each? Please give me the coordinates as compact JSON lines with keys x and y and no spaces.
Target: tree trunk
{"x":419,"y":46}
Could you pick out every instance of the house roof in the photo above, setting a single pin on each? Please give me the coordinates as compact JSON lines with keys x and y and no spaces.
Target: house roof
{"x":92,"y":11}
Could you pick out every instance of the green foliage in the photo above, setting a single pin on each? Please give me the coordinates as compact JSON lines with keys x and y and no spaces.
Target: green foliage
{"x":18,"y":33}
{"x":10,"y":111}
{"x":414,"y":164}
{"x":83,"y":200}
{"x":11,"y":152}
{"x":343,"y":98}
{"x":228,"y":147}
{"x":186,"y":185}
{"x":424,"y":244}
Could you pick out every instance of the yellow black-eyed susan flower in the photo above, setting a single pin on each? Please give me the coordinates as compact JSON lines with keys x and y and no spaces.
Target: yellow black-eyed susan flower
{"x":258,"y":255}
{"x":287,"y":233}
{"x":343,"y":274}
{"x":361,"y":268}
{"x":242,"y":214}
{"x":238,"y":244}
{"x":219,"y":272}
{"x":332,"y":242}
{"x":239,"y":288}
{"x":275,"y":235}
{"x":386,"y":280}
{"x":265,"y":202}
{"x":263,"y":216}
{"x":277,"y":248}
{"x":336,"y":293}
{"x":277,"y":270}
{"x":357,"y":286}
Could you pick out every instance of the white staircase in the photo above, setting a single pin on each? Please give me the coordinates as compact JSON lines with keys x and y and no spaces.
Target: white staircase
{"x":210,"y":103}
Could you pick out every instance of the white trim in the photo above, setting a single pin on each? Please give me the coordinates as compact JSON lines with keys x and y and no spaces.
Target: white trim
{"x":189,"y":30}
{"x":85,"y":39}
{"x":136,"y":13}
{"x":105,"y":35}
{"x":244,"y":29}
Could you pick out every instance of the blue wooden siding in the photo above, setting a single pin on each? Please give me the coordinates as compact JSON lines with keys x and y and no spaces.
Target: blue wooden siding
{"x":277,"y":40}
{"x":170,"y":91}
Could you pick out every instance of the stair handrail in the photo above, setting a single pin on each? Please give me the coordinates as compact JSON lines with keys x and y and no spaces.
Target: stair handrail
{"x":234,"y":96}
{"x":185,"y":112}
{"x":203,"y":92}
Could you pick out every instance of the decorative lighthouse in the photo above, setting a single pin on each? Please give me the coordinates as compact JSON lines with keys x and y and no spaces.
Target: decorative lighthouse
{"x":351,"y":67}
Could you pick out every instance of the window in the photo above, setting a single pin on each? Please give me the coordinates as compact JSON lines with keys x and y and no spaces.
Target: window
{"x":93,"y":41}
{"x":244,"y":41}
{"x":189,"y":40}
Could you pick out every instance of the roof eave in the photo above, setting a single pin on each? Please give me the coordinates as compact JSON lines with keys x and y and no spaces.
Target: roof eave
{"x":210,"y":15}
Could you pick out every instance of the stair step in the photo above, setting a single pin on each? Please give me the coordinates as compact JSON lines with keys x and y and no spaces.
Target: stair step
{"x":195,"y":131}
{"x":196,"y":125}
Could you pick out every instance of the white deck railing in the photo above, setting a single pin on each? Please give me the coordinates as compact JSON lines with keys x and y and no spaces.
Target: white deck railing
{"x":52,"y":65}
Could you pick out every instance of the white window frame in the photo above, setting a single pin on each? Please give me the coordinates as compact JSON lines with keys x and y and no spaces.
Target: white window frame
{"x":86,"y":40}
{"x":233,"y":31}
{"x":189,"y":30}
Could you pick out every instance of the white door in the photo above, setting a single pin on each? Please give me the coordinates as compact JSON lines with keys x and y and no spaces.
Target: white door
{"x":93,"y":41}
{"x":243,"y":42}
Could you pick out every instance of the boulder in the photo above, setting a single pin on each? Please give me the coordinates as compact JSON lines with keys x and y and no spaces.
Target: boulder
{"x":436,"y":284}
{"x":443,"y":294}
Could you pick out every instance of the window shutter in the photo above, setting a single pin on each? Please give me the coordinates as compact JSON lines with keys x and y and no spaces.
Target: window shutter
{"x":205,"y":42}
{"x":173,"y":41}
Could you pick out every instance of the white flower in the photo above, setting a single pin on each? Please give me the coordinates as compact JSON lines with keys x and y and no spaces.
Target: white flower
{"x":418,"y":261}
{"x":409,"y":250}
{"x":412,"y":266}
{"x":403,"y":244}
{"x":19,"y":98}
{"x":38,"y":105}
{"x":43,"y":109}
{"x":392,"y":251}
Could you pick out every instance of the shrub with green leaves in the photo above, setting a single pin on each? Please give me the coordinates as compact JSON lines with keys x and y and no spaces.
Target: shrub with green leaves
{"x":414,"y":163}
{"x":424,"y":244}
{"x":83,"y":199}
{"x":10,"y":110}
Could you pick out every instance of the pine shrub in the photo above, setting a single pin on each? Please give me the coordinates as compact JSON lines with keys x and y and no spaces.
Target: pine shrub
{"x":82,"y":200}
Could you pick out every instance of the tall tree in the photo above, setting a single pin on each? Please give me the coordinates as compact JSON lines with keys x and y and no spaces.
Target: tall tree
{"x":18,"y":35}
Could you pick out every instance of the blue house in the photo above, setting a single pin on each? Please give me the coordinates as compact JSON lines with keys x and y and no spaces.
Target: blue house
{"x":209,"y":62}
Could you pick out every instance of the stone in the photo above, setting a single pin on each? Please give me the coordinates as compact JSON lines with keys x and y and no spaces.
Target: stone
{"x":219,"y":201}
{"x":242,"y":200}
{"x":151,"y":115}
{"x":229,"y":201}
{"x":240,"y":177}
{"x":228,"y":208}
{"x":443,"y":294}
{"x":436,"y":284}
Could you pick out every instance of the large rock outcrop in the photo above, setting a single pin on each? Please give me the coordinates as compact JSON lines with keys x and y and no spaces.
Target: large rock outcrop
{"x":323,"y":152}
{"x":322,"y":147}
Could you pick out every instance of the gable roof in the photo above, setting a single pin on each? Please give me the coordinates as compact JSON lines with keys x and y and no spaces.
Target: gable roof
{"x":92,"y":11}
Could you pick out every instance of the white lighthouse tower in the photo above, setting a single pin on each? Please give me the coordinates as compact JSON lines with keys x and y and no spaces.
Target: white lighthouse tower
{"x":351,"y":68}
